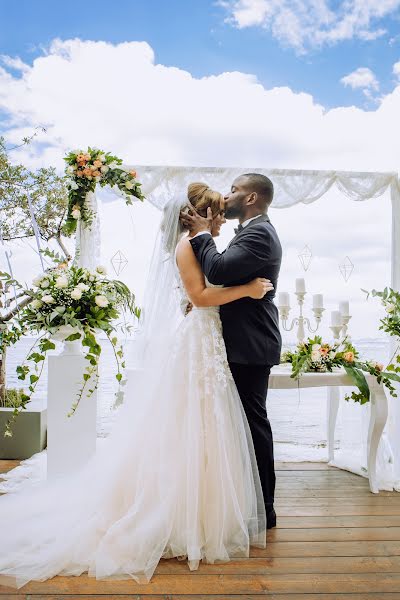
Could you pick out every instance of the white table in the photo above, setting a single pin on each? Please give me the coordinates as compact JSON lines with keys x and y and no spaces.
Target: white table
{"x":280,"y":380}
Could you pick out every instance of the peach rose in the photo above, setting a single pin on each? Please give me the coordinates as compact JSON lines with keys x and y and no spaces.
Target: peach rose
{"x":349,"y":356}
{"x":86,"y":157}
{"x":133,"y":173}
{"x":87,"y":172}
{"x":81,"y":158}
{"x":79,"y":174}
{"x":97,"y":164}
{"x":96,"y":173}
{"x":324,"y":351}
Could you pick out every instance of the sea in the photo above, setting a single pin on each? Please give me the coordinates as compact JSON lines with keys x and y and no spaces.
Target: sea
{"x":298,"y":417}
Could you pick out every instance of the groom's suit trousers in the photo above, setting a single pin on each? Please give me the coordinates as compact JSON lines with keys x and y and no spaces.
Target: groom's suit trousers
{"x":252,"y":384}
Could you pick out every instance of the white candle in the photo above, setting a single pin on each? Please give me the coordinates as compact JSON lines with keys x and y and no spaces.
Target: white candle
{"x":300,"y":285}
{"x":318,"y":301}
{"x":336,"y":318}
{"x":344,"y":308}
{"x":283,"y":299}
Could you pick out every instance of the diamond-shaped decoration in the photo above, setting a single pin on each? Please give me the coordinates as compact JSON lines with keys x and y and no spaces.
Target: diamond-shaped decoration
{"x":119,"y":262}
{"x":346,"y":268}
{"x":305,"y":257}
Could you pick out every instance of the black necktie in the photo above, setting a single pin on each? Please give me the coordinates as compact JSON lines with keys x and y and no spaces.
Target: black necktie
{"x":238,"y":229}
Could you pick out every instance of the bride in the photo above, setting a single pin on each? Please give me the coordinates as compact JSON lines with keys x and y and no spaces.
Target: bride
{"x":177,"y":476}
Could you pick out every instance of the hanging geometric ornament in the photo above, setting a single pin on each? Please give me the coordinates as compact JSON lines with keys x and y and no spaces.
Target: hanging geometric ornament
{"x":305,"y":257}
{"x":119,"y":262}
{"x":346,"y":268}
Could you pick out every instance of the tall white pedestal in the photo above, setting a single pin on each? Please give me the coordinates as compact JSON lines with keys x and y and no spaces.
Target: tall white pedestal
{"x":71,"y":441}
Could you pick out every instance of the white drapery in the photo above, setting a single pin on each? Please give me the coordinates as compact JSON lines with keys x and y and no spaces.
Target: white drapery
{"x":161,"y":183}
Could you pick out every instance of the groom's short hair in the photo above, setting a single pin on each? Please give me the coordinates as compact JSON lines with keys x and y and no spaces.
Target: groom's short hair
{"x":262,"y":185}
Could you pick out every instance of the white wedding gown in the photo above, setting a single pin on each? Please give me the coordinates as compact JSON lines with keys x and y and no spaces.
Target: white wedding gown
{"x":177,"y":477}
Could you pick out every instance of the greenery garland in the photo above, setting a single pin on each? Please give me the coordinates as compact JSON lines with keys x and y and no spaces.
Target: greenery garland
{"x":86,"y":169}
{"x":314,"y":355}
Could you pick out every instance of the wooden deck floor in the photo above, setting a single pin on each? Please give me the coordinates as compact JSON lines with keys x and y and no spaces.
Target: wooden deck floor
{"x":334,"y":540}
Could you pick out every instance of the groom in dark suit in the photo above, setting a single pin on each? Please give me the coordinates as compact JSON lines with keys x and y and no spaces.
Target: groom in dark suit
{"x":250,"y":327}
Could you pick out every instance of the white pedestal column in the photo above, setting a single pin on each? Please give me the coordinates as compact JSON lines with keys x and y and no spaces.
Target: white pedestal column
{"x":71,"y":441}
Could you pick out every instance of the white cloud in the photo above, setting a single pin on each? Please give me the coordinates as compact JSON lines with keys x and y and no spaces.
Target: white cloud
{"x":363,"y":79}
{"x":396,"y":69}
{"x":118,"y":98}
{"x":305,"y":24}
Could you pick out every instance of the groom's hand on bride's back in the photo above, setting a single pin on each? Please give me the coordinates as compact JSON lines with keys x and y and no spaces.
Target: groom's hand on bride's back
{"x":195,"y":222}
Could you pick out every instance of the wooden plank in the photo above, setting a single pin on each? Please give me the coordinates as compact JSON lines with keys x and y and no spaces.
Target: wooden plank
{"x":331,"y":493}
{"x":367,"y":500}
{"x":226,"y":584}
{"x":332,"y":534}
{"x":143,"y":596}
{"x":282,"y":565}
{"x":294,"y":549}
{"x":335,"y":511}
{"x":304,"y":466}
{"x":337,"y":522}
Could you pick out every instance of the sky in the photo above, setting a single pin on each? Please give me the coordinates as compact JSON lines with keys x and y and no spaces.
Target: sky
{"x":306,"y":84}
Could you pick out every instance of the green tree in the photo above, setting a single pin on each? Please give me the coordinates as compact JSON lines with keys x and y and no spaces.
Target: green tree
{"x":49,"y":199}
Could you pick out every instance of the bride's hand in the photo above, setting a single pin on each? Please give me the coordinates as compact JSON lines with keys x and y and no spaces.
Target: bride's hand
{"x":259,"y":287}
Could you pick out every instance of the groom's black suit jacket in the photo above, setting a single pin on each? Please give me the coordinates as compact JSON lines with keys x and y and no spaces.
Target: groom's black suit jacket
{"x":250,"y":327}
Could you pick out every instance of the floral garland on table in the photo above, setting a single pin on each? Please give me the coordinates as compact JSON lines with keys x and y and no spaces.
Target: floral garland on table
{"x":85,"y":169}
{"x":67,"y":304}
{"x":317,"y":356}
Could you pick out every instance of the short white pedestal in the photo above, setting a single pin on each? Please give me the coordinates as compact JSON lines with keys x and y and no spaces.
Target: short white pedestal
{"x":71,"y":441}
{"x":280,"y":379}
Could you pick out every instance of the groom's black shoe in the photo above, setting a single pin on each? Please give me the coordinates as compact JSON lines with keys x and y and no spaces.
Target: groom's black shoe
{"x":271,"y":518}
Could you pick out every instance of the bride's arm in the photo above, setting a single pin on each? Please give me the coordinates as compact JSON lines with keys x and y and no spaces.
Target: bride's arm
{"x":200,"y":295}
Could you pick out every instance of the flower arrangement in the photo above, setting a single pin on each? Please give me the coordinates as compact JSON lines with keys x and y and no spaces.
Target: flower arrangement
{"x":86,"y":169}
{"x":69,"y":303}
{"x":314,"y":355}
{"x":390,"y":300}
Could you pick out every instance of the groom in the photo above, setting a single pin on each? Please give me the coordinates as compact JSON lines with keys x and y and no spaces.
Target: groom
{"x":250,"y":327}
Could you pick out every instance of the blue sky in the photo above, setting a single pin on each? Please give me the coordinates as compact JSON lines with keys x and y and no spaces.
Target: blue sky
{"x":194,"y":35}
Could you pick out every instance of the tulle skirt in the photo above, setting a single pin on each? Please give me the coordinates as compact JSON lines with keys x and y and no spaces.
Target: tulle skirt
{"x":177,"y":477}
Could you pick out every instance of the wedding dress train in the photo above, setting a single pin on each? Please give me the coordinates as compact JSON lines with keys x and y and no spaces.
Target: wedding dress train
{"x":177,"y":477}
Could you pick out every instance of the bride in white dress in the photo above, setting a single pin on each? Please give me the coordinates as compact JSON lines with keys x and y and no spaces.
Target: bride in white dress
{"x":177,"y":476}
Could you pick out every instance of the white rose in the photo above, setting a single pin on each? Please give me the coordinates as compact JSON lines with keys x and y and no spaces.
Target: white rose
{"x":83,"y":287}
{"x":73,"y":185}
{"x":315,"y":347}
{"x":61,"y":282}
{"x":70,"y":170}
{"x":36,"y":281}
{"x":113,"y":165}
{"x":104,"y":169}
{"x":390,"y":308}
{"x":76,"y":214}
{"x":101,"y":270}
{"x":332,"y":354}
{"x":101,"y":301}
{"x":98,"y":178}
{"x":101,"y":157}
{"x":48,"y":299}
{"x":315,"y":356}
{"x":36,"y":304}
{"x":129,"y":185}
{"x":76,"y":293}
{"x":44,"y":283}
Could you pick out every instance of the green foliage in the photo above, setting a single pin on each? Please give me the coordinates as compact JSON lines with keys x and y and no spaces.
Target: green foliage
{"x":316,"y":356}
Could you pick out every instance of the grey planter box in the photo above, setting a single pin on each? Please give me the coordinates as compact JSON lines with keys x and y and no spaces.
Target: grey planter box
{"x":29,"y":433}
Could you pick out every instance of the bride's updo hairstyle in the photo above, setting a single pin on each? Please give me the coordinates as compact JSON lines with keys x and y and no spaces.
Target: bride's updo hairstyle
{"x":201,"y":197}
